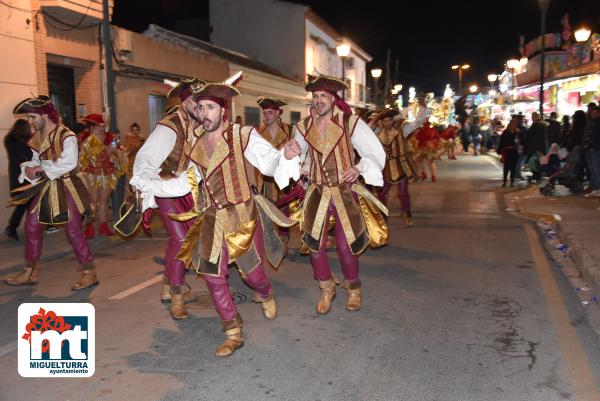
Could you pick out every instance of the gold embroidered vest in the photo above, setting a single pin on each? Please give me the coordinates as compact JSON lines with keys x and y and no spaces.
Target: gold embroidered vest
{"x":266,"y":185}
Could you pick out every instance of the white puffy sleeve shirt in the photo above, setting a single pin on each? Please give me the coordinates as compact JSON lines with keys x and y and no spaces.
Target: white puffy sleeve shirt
{"x":146,"y":169}
{"x":270,"y":161}
{"x":54,"y":168}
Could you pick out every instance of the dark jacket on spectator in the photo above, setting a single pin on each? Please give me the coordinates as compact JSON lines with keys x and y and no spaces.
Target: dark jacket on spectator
{"x":591,"y":140}
{"x":535,"y":139}
{"x":552,"y":132}
{"x":18,"y":152}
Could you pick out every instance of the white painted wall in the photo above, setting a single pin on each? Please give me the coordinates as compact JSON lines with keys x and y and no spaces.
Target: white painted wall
{"x":270,"y":31}
{"x":256,"y":84}
{"x":18,"y":77}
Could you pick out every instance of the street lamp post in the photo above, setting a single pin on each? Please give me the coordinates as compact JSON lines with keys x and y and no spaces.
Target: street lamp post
{"x":343,"y":50}
{"x":544,"y":10}
{"x":492,"y":78}
{"x":460,"y":69}
{"x":375,"y":73}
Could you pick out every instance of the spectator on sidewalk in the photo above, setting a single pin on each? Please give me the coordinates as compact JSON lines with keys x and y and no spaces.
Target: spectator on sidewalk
{"x":575,"y":141}
{"x":591,"y":146}
{"x":133,"y":142}
{"x":464,"y":134}
{"x":535,"y":139}
{"x":475,"y":136}
{"x":550,"y":162}
{"x":553,"y":130}
{"x":507,"y":148}
{"x":18,"y":152}
{"x":564,"y":131}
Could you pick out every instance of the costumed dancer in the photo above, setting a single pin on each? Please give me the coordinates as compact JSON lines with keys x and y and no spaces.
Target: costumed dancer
{"x":329,"y":135}
{"x":448,"y":136}
{"x":159,"y":164}
{"x":277,"y":133}
{"x":399,"y":167}
{"x":425,"y":141}
{"x":59,"y":193}
{"x":234,"y":224}
{"x":102,"y":165}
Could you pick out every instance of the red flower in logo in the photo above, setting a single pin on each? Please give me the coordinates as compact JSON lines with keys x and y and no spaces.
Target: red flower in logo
{"x":42,"y":322}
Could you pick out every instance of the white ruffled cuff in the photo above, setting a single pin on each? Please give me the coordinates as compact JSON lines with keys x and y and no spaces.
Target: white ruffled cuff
{"x":23,"y":177}
{"x":286,"y":169}
{"x":370,"y":172}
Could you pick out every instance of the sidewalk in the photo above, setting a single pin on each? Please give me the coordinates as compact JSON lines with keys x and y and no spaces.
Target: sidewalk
{"x":55,"y":245}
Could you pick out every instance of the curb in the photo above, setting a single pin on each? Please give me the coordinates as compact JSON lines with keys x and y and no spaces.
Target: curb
{"x":583,"y":261}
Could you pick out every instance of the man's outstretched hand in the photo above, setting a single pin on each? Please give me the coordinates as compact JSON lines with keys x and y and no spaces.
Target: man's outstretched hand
{"x":291,"y":149}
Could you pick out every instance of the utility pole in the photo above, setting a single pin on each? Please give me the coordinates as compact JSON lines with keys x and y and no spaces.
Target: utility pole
{"x":387,"y":77}
{"x":108,"y":67}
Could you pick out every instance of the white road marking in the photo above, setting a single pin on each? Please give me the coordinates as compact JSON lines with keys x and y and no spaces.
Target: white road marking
{"x":8,"y":348}
{"x":137,"y":288}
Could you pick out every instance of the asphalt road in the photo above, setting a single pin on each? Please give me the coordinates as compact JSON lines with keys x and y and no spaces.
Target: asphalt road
{"x":463,"y":306}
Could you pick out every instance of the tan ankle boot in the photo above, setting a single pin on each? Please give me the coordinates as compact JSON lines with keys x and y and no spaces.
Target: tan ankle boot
{"x":28,"y":276}
{"x":268,"y":305}
{"x":407,"y":220}
{"x":327,"y":296}
{"x":88,"y":279}
{"x":165,"y":295}
{"x":234,"y":339}
{"x":177,"y":308}
{"x":353,"y":299}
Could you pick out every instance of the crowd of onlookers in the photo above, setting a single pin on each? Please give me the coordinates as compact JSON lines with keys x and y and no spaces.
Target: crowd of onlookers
{"x":109,"y":145}
{"x":565,"y":152}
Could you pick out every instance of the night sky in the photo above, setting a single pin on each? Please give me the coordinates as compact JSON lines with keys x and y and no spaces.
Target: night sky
{"x":427,"y":37}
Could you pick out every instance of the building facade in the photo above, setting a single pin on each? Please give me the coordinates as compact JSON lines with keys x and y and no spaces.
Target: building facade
{"x":290,"y":37}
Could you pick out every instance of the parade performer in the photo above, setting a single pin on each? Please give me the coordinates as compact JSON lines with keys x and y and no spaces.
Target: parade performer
{"x":448,"y":141}
{"x":102,"y":164}
{"x":234,"y":224}
{"x":59,"y":193}
{"x":329,"y":135}
{"x":427,"y":147}
{"x":161,"y":161}
{"x":399,"y":167}
{"x":277,"y":133}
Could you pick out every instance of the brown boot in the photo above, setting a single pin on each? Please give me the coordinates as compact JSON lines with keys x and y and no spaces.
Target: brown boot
{"x":177,"y":308}
{"x":407,"y":220}
{"x":88,"y":278}
{"x":268,"y":305}
{"x":234,"y":339}
{"x":353,"y":300}
{"x":28,"y":276}
{"x":327,"y":296}
{"x":165,"y":295}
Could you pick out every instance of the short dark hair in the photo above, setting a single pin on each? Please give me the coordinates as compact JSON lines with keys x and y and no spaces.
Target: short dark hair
{"x":553,"y":115}
{"x":134,"y":125}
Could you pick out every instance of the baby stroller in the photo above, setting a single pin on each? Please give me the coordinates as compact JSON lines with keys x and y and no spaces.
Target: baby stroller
{"x":566,"y":175}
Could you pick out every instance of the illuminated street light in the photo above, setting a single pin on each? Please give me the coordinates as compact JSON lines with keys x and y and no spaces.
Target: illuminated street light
{"x":492,"y":78}
{"x":460,"y":69}
{"x":343,"y":50}
{"x":473,"y":88}
{"x":492,"y":93}
{"x":582,"y":34}
{"x":375,"y":73}
{"x":398,"y":87}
